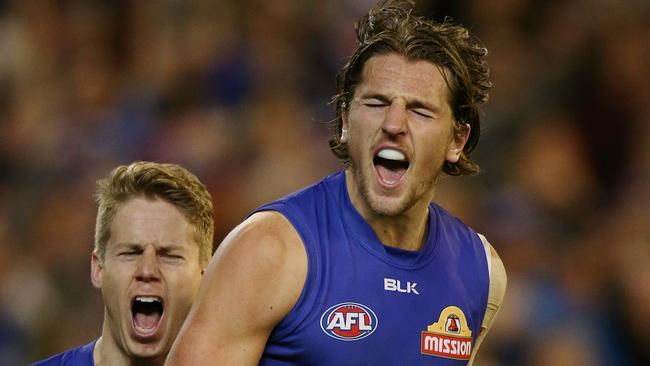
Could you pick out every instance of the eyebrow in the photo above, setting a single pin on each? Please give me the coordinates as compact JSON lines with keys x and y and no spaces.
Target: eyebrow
{"x":373,"y":95}
{"x":120,"y":246}
{"x":170,"y":248}
{"x":163,"y":247}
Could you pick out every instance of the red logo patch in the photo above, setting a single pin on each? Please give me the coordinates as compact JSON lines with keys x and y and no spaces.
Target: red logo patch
{"x":451,"y":347}
{"x":449,"y":337}
{"x":348,"y":321}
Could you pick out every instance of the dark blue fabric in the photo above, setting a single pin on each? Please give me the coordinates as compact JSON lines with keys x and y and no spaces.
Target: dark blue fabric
{"x":347,"y":264}
{"x":79,"y":356}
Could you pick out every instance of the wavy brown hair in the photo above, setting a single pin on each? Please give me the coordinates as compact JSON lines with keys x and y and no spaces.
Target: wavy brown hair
{"x":169,"y":182}
{"x":393,"y":27}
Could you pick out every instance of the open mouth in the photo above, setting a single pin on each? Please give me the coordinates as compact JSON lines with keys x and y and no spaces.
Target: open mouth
{"x":391,"y":165}
{"x":146,"y":313}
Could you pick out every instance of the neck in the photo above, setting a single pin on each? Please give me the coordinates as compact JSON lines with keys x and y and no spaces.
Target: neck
{"x":406,"y":230}
{"x":403,"y":233}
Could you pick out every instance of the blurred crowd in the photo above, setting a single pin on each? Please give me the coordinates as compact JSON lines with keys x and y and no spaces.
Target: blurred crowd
{"x":238,"y":92}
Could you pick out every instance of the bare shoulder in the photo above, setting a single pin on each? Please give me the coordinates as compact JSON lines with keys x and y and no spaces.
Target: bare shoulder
{"x":254,"y":279}
{"x":498,"y":277}
{"x":265,"y":257}
{"x":496,"y":292}
{"x":266,"y":233}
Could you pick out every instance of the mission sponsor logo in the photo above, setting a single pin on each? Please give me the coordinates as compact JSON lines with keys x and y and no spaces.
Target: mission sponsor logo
{"x":449,"y":337}
{"x":348,"y":321}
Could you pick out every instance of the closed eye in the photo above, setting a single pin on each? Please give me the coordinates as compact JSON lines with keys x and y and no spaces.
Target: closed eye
{"x":423,"y":113}
{"x":129,"y":253}
{"x":375,"y":101}
{"x":375,"y":104}
{"x":173,"y":256}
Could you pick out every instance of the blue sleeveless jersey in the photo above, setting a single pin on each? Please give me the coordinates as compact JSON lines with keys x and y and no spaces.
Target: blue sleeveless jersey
{"x":364,"y":303}
{"x":79,"y":356}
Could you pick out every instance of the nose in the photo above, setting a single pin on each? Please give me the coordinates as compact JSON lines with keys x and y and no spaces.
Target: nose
{"x":395,"y":120}
{"x":148,"y":269}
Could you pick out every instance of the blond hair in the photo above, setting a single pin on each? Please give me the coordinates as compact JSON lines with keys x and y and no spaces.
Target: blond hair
{"x":169,"y":182}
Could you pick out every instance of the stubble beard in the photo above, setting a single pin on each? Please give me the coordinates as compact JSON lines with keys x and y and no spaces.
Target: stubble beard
{"x":378,"y":205}
{"x":396,"y":206}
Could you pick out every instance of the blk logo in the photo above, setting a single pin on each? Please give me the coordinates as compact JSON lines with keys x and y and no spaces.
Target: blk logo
{"x":395,"y":285}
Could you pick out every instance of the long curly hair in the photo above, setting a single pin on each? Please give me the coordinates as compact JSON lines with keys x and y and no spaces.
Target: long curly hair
{"x":393,"y":27}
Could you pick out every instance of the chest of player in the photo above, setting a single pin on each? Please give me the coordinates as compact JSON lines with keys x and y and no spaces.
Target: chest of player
{"x":373,"y":307}
{"x":367,"y":304}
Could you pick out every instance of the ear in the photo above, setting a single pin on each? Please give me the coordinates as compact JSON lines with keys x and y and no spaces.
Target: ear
{"x":459,"y":138}
{"x":344,"y":128}
{"x":96,"y":270}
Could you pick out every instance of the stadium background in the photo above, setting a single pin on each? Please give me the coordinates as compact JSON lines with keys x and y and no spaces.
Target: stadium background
{"x":237,"y":91}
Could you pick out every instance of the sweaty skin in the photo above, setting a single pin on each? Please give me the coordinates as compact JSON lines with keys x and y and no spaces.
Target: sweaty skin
{"x":402,"y":105}
{"x":151,"y":253}
{"x":259,"y":271}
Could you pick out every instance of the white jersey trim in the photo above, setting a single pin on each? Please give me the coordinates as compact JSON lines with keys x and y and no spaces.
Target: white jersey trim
{"x":488,"y":255}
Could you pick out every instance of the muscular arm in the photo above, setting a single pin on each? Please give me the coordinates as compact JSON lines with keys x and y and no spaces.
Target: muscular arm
{"x":251,"y":283}
{"x":497,"y":292}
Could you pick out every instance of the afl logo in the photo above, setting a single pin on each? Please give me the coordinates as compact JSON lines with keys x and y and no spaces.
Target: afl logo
{"x":348,"y":321}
